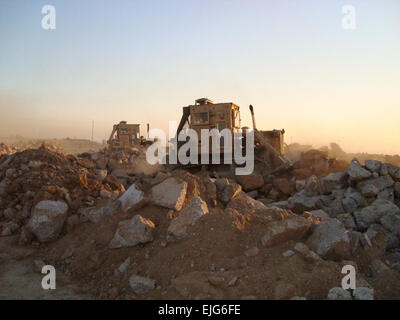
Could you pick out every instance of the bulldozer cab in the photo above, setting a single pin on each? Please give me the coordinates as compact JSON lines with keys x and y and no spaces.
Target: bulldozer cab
{"x":205,"y":114}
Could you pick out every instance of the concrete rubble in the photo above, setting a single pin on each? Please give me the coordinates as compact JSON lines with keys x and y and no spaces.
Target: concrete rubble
{"x":132,"y":232}
{"x":205,"y":234}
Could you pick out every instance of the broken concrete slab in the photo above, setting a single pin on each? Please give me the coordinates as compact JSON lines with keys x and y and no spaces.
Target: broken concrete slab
{"x":300,"y":202}
{"x":292,"y":228}
{"x":177,"y":229}
{"x":243,"y":203}
{"x":48,"y":219}
{"x":133,"y":198}
{"x":133,"y":232}
{"x":332,"y":181}
{"x":170,"y":193}
{"x":356,"y":172}
{"x":330,"y":240}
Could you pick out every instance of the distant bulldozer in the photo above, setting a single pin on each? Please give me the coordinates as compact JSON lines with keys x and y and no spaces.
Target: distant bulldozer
{"x":126,"y":136}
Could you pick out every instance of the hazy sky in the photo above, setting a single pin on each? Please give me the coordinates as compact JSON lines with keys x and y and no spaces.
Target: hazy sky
{"x":141,"y":61}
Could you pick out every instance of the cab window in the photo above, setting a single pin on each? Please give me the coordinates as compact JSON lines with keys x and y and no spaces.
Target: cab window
{"x":200,"y":118}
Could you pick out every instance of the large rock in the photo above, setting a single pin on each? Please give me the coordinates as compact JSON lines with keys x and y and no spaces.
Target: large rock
{"x":170,"y":193}
{"x":300,"y":202}
{"x":132,"y":232}
{"x":48,"y":219}
{"x":374,"y":212}
{"x":332,"y":181}
{"x":97,"y":213}
{"x":292,"y":228}
{"x":356,"y":172}
{"x":245,"y":204}
{"x":373,"y":165}
{"x":141,"y":285}
{"x":391,"y":222}
{"x":133,"y":198}
{"x":330,"y":240}
{"x":177,"y":229}
{"x":380,"y":183}
{"x":250,"y":182}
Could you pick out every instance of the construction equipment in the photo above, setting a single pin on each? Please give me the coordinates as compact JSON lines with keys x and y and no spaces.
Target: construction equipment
{"x":205,"y":114}
{"x":126,"y":136}
{"x":272,"y":143}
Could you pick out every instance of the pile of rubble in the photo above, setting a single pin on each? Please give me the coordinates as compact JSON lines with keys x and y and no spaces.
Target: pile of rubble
{"x":174,"y":234}
{"x":38,"y":183}
{"x":213,"y":235}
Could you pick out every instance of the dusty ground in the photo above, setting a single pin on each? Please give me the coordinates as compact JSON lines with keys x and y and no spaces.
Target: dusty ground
{"x":20,"y":280}
{"x":211,"y":264}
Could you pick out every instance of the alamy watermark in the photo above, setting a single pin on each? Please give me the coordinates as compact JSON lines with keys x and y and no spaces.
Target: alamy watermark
{"x":349,"y":280}
{"x":49,"y":18}
{"x":349,"y":17}
{"x":198,"y":150}
{"x":49,"y":280}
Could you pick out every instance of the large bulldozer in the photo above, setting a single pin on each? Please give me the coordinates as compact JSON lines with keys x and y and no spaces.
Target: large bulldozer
{"x":204,"y":114}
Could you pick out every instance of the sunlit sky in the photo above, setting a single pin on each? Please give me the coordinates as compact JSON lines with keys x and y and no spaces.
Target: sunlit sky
{"x":142,"y":61}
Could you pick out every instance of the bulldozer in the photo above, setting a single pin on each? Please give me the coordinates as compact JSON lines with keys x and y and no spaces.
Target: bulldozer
{"x":126,"y":135}
{"x":205,"y":114}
